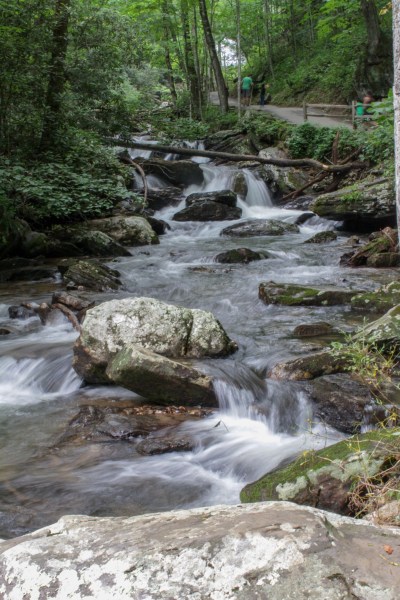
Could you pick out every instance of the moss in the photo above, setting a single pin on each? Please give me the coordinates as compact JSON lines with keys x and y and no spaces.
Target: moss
{"x":297,"y":475}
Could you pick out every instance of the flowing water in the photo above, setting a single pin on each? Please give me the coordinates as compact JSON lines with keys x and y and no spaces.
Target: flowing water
{"x":260,"y":423}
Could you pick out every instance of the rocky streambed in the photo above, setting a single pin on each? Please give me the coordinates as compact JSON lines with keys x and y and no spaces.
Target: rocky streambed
{"x":221,"y":376}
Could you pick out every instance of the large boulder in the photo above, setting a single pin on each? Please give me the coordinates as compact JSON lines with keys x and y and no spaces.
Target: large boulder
{"x":165,"y":329}
{"x":160,"y":379}
{"x":259,"y":227}
{"x":290,"y":294}
{"x":380,"y":300}
{"x":210,"y":206}
{"x":177,"y":172}
{"x":281,"y":180}
{"x":380,"y":252}
{"x":128,"y":231}
{"x":90,"y":242}
{"x":265,"y":551}
{"x":362,"y":207}
{"x":157,"y":199}
{"x":92,"y":276}
{"x":327,"y":478}
{"x":384,"y":332}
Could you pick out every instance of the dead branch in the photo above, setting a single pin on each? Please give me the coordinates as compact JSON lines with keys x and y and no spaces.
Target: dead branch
{"x":70,"y":316}
{"x":297,"y":193}
{"x":279,"y":162}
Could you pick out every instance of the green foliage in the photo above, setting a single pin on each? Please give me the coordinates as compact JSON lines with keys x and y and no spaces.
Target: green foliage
{"x":267,"y":129}
{"x":311,"y":141}
{"x":84,"y":183}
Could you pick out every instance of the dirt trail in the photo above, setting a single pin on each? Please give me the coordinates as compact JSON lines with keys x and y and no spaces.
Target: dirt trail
{"x":291,"y":114}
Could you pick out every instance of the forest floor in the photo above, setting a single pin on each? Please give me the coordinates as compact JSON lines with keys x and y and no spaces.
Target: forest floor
{"x":290,"y":114}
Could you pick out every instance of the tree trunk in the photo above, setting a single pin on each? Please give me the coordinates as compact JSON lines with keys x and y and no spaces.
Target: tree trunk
{"x":215,"y":63}
{"x":193,"y":82}
{"x":396,"y":100}
{"x":372,"y":24}
{"x":377,"y":66}
{"x":167,"y":54}
{"x":55,"y":88}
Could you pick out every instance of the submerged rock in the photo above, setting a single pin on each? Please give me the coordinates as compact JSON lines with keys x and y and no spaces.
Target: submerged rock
{"x":269,"y":551}
{"x":259,"y":227}
{"x":239,"y":255}
{"x":290,"y":294}
{"x":210,"y":206}
{"x":314,"y":330}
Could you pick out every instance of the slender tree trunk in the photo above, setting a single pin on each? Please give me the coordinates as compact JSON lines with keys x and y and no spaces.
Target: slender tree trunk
{"x":267,"y":28}
{"x":239,"y":59}
{"x":215,"y":62}
{"x":56,"y":82}
{"x":396,"y":99}
{"x":167,"y":54}
{"x":193,"y":82}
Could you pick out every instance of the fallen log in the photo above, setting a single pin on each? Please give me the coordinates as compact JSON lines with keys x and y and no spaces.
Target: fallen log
{"x":278,"y":162}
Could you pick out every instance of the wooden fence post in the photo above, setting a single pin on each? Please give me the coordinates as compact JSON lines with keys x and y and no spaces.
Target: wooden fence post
{"x":305,"y":110}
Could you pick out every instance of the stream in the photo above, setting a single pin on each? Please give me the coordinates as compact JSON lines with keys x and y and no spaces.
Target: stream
{"x":260,"y":423}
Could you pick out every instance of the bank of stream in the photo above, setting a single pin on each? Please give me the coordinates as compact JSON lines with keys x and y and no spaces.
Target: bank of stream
{"x":260,"y":423}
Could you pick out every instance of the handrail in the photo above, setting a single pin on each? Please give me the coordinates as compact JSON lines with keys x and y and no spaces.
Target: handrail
{"x":350,"y":107}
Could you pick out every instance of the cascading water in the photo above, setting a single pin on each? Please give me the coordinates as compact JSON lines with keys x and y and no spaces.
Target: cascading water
{"x":259,"y":424}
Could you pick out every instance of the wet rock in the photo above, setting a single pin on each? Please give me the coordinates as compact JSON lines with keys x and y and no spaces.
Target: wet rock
{"x":161,"y":198}
{"x":6,"y":330}
{"x":304,"y":217}
{"x":326,"y":478}
{"x":378,"y":301}
{"x":322,"y":237}
{"x":93,"y":243}
{"x":166,"y":329}
{"x":362,"y":206}
{"x":282,"y":179}
{"x":313,"y":330}
{"x":128,"y":231}
{"x":92,"y":276}
{"x":162,"y":445}
{"x":159,"y":226}
{"x":379,"y":251}
{"x":384,"y":332}
{"x":259,"y":227}
{"x":308,"y":367}
{"x":21,"y":312}
{"x":178,"y":172}
{"x":289,"y":294}
{"x":210,"y":206}
{"x":285,"y":552}
{"x":239,"y":255}
{"x":75,"y":303}
{"x":344,"y":403}
{"x":300,"y":203}
{"x":239,"y":185}
{"x":160,"y":379}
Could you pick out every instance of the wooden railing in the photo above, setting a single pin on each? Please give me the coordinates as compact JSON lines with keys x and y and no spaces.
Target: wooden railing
{"x":348,"y":112}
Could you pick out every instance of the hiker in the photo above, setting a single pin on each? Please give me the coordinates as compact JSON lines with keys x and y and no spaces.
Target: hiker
{"x":247,"y":87}
{"x":368,"y":98}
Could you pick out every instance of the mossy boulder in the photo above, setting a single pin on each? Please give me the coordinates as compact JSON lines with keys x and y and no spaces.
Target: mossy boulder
{"x":259,"y":227}
{"x":362,"y":206}
{"x":378,"y":301}
{"x":289,"y":294}
{"x":126,"y":230}
{"x":308,"y":367}
{"x":88,"y":242}
{"x":239,"y":255}
{"x":384,"y":332}
{"x":160,"y":379}
{"x":379,"y":252}
{"x":325,"y":479}
{"x":92,"y":276}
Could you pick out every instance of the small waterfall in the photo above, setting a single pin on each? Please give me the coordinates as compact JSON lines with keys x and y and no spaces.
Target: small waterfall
{"x":257,"y":192}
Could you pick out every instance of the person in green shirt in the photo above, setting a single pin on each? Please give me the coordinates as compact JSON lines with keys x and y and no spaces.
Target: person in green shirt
{"x":247,"y":86}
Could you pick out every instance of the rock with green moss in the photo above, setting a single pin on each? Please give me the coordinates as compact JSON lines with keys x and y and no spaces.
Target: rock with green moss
{"x":379,"y":252}
{"x":322,"y":237}
{"x":239,"y":255}
{"x":126,"y":230}
{"x":165,"y":329}
{"x":282,"y":179}
{"x":160,"y":379}
{"x":89,"y":242}
{"x":378,"y":301}
{"x":290,"y":294}
{"x":259,"y":227}
{"x":308,"y":367}
{"x":363,"y":205}
{"x":92,"y":276}
{"x":326,"y":478}
{"x":384,"y":332}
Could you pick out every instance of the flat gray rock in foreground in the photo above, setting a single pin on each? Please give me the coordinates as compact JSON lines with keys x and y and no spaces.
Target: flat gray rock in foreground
{"x":268,"y":551}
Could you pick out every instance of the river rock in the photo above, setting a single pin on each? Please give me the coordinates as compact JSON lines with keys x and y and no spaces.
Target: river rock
{"x":282,"y":179}
{"x":308,"y":367}
{"x":259,"y":227}
{"x":159,"y":226}
{"x":165,"y":329}
{"x":380,"y":300}
{"x":177,"y":172}
{"x":239,"y":255}
{"x":160,"y":379}
{"x":91,"y":243}
{"x":344,"y":403}
{"x":384,"y":332}
{"x":322,"y":237}
{"x":157,"y":199}
{"x":210,"y":206}
{"x":380,"y":251}
{"x":239,"y":184}
{"x":314,"y":330}
{"x":128,"y":231}
{"x":290,"y":294}
{"x":163,"y":444}
{"x":362,"y":206}
{"x":265,"y":551}
{"x":92,"y":276}
{"x":326,"y":478}
{"x":21,"y":312}
{"x":70,"y":301}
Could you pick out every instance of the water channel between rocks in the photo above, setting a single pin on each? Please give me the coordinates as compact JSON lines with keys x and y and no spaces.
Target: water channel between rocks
{"x":260,"y":423}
